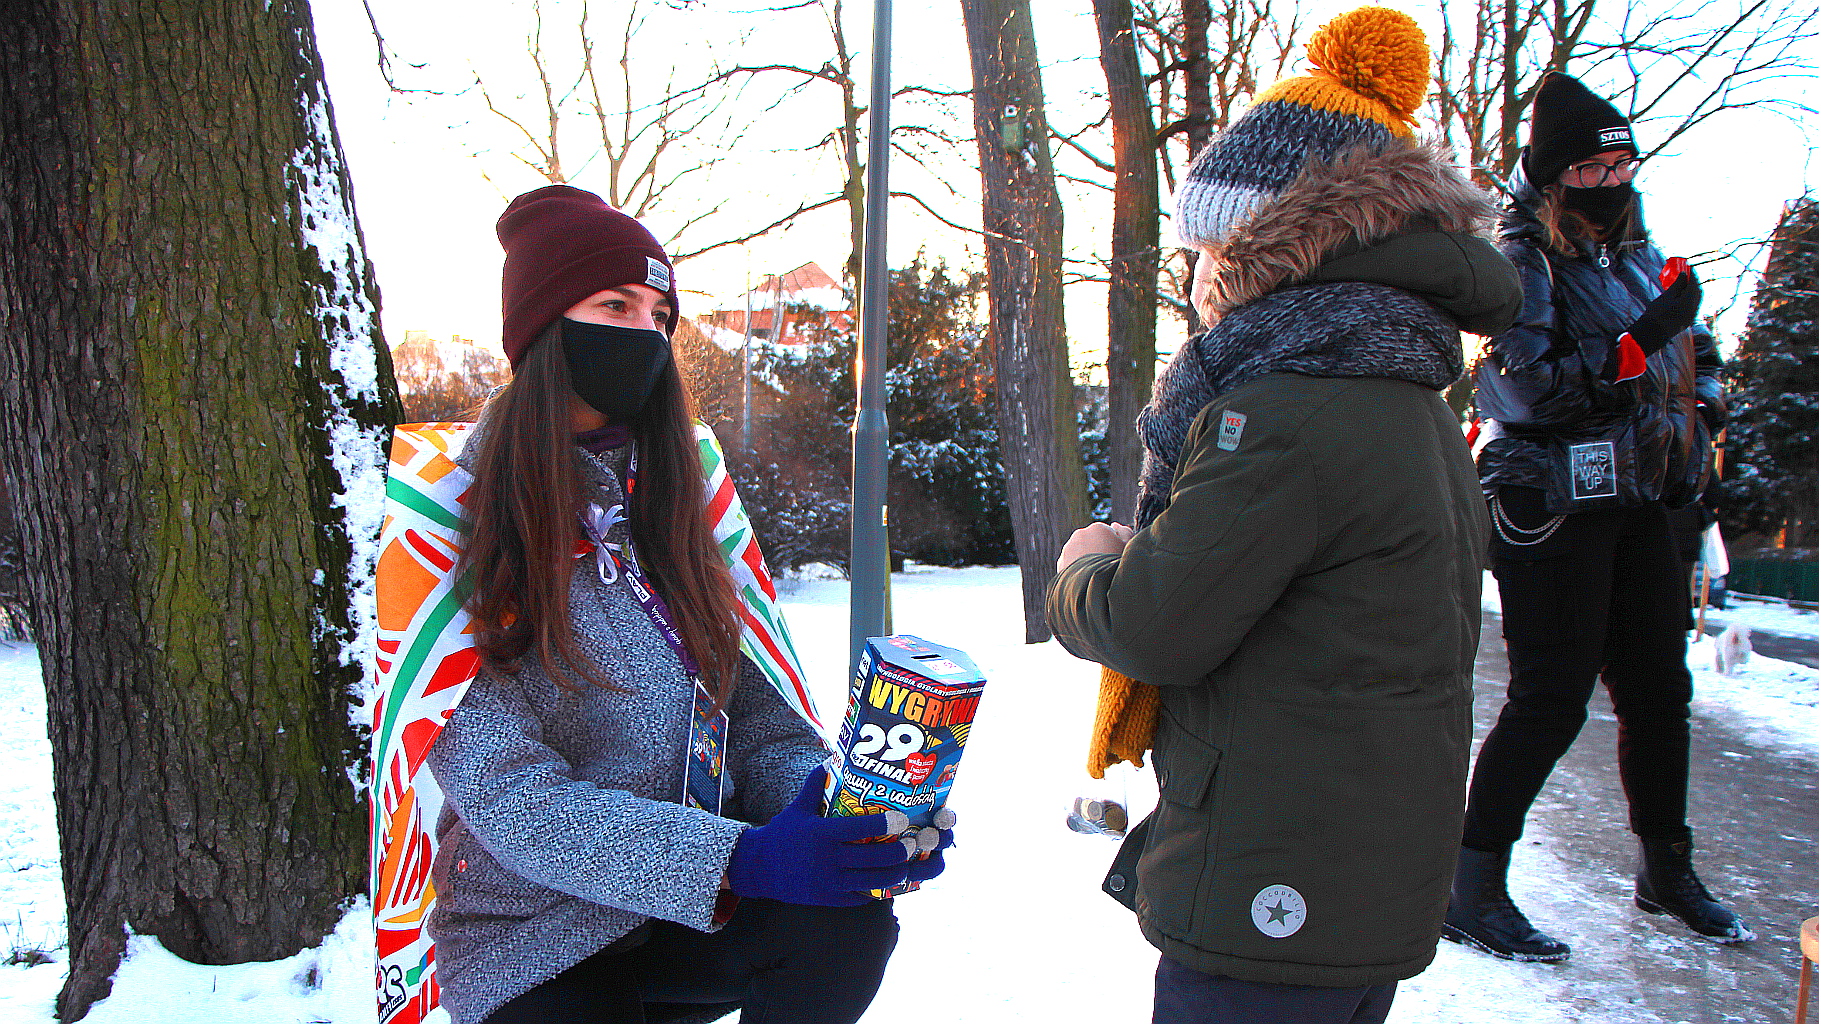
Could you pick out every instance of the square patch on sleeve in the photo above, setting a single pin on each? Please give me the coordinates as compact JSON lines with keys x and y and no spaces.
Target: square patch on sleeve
{"x":1232,"y":424}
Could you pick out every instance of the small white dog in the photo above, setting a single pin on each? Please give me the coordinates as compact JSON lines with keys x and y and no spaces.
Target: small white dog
{"x":1732,"y":648}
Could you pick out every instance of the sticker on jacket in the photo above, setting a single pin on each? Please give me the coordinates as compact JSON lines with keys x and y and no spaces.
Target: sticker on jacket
{"x":1593,"y":469}
{"x":1232,"y":424}
{"x":1278,"y":911}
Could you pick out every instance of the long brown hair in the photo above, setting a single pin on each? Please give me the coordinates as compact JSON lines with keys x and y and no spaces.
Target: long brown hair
{"x":523,"y":528}
{"x":1564,"y":224}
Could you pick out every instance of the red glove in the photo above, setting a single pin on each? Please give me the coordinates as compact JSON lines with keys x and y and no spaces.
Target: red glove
{"x":1667,"y":315}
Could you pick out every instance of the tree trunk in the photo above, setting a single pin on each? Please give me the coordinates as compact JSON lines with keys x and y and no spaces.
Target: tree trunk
{"x":854,"y":187}
{"x":1198,"y":108}
{"x":1046,"y":483}
{"x":192,"y":376}
{"x":1511,"y":92}
{"x":1132,"y":269}
{"x":1198,"y":92}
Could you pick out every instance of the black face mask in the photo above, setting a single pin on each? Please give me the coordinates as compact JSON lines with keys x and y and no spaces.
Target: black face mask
{"x":614,"y":369}
{"x":1602,"y":204}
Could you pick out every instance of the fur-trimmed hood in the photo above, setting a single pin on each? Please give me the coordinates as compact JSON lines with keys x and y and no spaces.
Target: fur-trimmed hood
{"x":1403,"y":198}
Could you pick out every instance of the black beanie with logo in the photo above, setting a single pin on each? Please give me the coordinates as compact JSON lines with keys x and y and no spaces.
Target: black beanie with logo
{"x":1569,"y":124}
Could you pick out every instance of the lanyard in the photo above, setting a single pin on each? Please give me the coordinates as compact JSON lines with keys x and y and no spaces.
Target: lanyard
{"x":703,"y":762}
{"x":612,"y":563}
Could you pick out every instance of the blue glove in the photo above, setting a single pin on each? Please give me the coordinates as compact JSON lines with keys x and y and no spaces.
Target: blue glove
{"x":802,"y":857}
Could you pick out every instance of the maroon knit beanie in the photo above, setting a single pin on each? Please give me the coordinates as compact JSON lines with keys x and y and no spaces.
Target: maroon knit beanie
{"x":562,"y":245}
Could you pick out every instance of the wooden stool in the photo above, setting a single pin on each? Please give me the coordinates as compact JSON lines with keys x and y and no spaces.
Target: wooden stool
{"x":1810,"y":955}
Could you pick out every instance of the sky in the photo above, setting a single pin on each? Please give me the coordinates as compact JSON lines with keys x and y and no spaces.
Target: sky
{"x":432,"y":172}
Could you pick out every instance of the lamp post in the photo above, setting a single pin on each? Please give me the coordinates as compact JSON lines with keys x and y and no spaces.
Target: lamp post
{"x":869,"y":564}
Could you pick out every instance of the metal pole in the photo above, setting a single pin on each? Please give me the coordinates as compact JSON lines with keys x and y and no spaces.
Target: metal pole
{"x":869,"y":566}
{"x":777,"y":312}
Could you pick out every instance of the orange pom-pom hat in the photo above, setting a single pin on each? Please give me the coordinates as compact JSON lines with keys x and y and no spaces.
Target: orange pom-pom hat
{"x":1369,"y":73}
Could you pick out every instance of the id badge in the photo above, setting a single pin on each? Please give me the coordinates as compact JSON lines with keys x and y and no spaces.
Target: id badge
{"x":707,"y":754}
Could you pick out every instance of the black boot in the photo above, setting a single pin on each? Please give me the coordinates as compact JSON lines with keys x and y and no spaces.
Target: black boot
{"x":1667,"y":884}
{"x":1481,"y":914}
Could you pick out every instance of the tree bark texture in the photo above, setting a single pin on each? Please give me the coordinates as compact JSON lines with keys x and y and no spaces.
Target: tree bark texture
{"x":1046,"y":483}
{"x":194,"y":394}
{"x":1198,"y":90}
{"x":1132,"y":269}
{"x":1198,"y":98}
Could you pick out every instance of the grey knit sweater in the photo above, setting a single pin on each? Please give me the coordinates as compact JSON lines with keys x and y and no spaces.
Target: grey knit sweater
{"x":562,"y":830}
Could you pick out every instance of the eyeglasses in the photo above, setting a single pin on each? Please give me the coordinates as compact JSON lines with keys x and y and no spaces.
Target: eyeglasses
{"x":1594,"y":174}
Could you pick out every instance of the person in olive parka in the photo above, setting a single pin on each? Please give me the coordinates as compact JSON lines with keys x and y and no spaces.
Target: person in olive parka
{"x":1303,"y":586}
{"x":1599,"y":408}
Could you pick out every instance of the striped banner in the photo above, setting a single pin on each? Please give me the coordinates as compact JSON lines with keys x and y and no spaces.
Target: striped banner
{"x":764,"y":637}
{"x":425,"y":660}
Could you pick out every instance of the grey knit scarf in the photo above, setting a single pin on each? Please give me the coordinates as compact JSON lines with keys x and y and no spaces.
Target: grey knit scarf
{"x":1330,"y":330}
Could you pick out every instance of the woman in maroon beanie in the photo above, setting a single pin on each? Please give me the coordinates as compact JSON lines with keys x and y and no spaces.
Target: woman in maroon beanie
{"x":599,"y":860}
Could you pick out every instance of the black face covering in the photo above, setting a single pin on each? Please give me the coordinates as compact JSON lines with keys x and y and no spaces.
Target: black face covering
{"x":614,"y":369}
{"x":1602,"y":204}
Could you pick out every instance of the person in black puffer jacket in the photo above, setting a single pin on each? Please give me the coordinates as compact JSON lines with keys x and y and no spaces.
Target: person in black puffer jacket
{"x":1599,"y":408}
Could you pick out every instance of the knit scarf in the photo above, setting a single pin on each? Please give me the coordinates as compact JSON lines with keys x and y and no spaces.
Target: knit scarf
{"x":1333,"y":330}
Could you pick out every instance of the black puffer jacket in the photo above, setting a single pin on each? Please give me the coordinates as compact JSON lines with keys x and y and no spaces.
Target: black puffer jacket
{"x":1586,"y":443}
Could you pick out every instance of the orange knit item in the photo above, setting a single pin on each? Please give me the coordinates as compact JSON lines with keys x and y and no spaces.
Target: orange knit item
{"x":1372,"y":63}
{"x":1124,"y":722}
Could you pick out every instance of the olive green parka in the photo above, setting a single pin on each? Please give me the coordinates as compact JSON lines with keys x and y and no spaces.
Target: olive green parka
{"x":1309,"y":604}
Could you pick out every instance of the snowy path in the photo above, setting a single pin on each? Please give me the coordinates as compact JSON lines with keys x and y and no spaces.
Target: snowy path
{"x":1018,"y":930}
{"x":1778,"y":630}
{"x":1752,"y":803}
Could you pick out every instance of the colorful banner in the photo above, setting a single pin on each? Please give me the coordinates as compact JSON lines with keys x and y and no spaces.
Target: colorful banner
{"x":425,"y":659}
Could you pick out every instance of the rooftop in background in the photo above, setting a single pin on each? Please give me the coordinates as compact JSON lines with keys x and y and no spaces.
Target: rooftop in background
{"x":809,"y":297}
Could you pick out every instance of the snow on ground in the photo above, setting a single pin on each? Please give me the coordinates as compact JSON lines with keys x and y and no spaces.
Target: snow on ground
{"x":1016,"y":930}
{"x":1773,"y":702}
{"x":31,"y":878}
{"x":1767,"y":615}
{"x":1489,"y":593}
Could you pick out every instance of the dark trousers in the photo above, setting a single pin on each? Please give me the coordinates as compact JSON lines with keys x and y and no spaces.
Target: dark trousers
{"x":1602,"y":599}
{"x":778,"y":963}
{"x":1187,"y":996}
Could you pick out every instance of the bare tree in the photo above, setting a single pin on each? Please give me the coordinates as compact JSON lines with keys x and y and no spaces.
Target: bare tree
{"x":589,"y":108}
{"x":430,"y":389}
{"x":908,"y":139}
{"x":1197,"y":65}
{"x":1674,"y":66}
{"x":1022,"y":215}
{"x":1209,"y":60}
{"x":838,"y":72}
{"x":1679,"y":66}
{"x":1132,"y":266}
{"x":192,"y":401}
{"x":648,"y":150}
